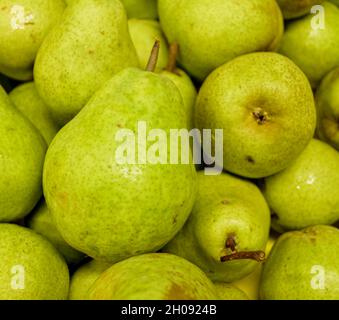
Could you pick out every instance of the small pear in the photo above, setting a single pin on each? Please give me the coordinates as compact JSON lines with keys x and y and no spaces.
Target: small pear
{"x":78,"y":56}
{"x":206,"y":41}
{"x":227,"y":229}
{"x":30,"y":267}
{"x":228,"y":292}
{"x":24,"y":25}
{"x":41,"y":222}
{"x":306,"y":193}
{"x":327,"y":102}
{"x":303,"y":265}
{"x":297,"y":8}
{"x":26,"y":99}
{"x":141,"y":9}
{"x":183,"y":83}
{"x":22,"y":154}
{"x":143,"y":34}
{"x":313,"y":47}
{"x":84,"y":277}
{"x":265,"y":106}
{"x":154,"y":276}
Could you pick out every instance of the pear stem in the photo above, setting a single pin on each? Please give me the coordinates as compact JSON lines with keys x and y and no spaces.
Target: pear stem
{"x":258,"y":256}
{"x":172,"y":59}
{"x":153,"y":59}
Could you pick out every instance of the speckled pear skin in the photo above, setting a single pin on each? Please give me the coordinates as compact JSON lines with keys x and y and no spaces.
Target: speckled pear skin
{"x":187,"y":90}
{"x":327,"y":102}
{"x":22,"y":154}
{"x":84,"y":277}
{"x":206,"y":41}
{"x":45,"y":273}
{"x":228,"y":292}
{"x":41,"y":222}
{"x":266,"y":107}
{"x":78,"y":56}
{"x":141,"y":9}
{"x":24,"y":25}
{"x":315,"y":52}
{"x":143,"y":34}
{"x":113,"y":211}
{"x":288,"y":273}
{"x":297,"y":8}
{"x":306,"y":193}
{"x":154,"y":276}
{"x":225,"y":206}
{"x":27,"y":100}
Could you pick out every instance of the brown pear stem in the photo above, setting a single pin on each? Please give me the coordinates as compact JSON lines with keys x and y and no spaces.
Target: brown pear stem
{"x":258,"y":256}
{"x":172,"y":59}
{"x":153,"y":59}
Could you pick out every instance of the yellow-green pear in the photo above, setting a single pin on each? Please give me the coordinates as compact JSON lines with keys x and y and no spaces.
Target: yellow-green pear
{"x":227,"y":291}
{"x":27,"y":100}
{"x":30,"y":267}
{"x":84,"y":277}
{"x":88,"y":46}
{"x":153,"y":276}
{"x":212,"y":33}
{"x":312,"y":42}
{"x":141,"y":9}
{"x":292,"y":9}
{"x":22,"y":154}
{"x":143,"y":34}
{"x":24,"y":25}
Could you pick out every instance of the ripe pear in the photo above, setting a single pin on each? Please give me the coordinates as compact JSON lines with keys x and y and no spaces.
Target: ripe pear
{"x":41,"y":222}
{"x":26,"y":99}
{"x":327,"y":102}
{"x":141,"y":9}
{"x":227,"y":229}
{"x":265,"y":106}
{"x":314,"y":48}
{"x":228,"y":292}
{"x":30,"y":267}
{"x":183,"y":83}
{"x":306,"y":193}
{"x":153,"y":276}
{"x":24,"y":25}
{"x":22,"y":153}
{"x":303,"y":265}
{"x":84,"y":277}
{"x":297,"y":8}
{"x":143,"y":34}
{"x":113,"y":206}
{"x":78,"y":56}
{"x":206,"y":41}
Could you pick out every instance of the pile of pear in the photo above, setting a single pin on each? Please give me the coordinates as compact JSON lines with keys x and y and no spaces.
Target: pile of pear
{"x":78,"y":223}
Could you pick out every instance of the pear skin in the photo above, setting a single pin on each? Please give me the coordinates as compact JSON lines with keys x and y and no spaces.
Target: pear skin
{"x":292,"y":9}
{"x":141,"y":9}
{"x":228,"y":292}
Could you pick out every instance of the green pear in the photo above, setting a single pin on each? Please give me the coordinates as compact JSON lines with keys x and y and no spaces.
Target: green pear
{"x":314,"y":48}
{"x":78,"y":57}
{"x":206,"y":41}
{"x":227,"y":229}
{"x":265,"y":106}
{"x":306,"y":193}
{"x":327,"y":102}
{"x":24,"y":25}
{"x":303,"y":265}
{"x":183,"y":83}
{"x":113,"y":206}
{"x":26,"y":99}
{"x":141,"y":9}
{"x":41,"y":222}
{"x":84,"y":277}
{"x":30,"y":267}
{"x":228,"y":292}
{"x":143,"y":34}
{"x":153,"y":276}
{"x":297,"y":8}
{"x":22,"y":153}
